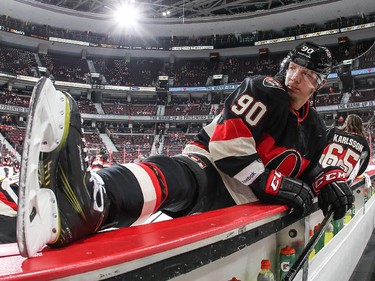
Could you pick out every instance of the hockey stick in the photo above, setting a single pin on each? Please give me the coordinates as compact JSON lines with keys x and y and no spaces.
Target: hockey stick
{"x":309,"y":247}
{"x":322,"y":228}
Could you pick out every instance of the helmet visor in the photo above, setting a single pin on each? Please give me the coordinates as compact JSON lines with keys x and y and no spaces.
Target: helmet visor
{"x":312,"y":78}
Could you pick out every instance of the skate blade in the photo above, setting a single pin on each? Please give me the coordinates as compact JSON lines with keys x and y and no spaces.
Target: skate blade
{"x":46,"y":130}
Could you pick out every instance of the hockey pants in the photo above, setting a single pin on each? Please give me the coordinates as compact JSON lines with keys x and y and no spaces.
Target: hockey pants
{"x":178,"y":185}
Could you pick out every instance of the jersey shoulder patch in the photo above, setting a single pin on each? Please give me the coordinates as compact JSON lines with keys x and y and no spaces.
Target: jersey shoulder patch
{"x":272,"y":82}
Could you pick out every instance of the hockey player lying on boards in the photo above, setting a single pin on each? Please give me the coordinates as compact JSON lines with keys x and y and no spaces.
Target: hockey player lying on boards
{"x":265,"y":145}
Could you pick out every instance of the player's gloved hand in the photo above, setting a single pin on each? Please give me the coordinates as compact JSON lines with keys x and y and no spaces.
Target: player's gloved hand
{"x":333,"y":191}
{"x":273,"y":187}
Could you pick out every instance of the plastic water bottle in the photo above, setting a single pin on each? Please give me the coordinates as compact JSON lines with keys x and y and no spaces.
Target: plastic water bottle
{"x":352,"y":210}
{"x":328,"y":235}
{"x":312,"y":254}
{"x":265,"y":273}
{"x":337,"y":225}
{"x":320,"y":243}
{"x":287,"y":259}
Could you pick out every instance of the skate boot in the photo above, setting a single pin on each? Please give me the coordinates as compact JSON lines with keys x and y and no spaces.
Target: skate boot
{"x":60,"y":201}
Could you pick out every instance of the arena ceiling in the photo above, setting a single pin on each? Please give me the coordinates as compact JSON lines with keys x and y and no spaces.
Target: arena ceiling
{"x":187,"y":17}
{"x":175,"y":8}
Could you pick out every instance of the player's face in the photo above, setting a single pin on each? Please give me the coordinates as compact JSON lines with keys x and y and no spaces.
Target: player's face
{"x":301,"y":83}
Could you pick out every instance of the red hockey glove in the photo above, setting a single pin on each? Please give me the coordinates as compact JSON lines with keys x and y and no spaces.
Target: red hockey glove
{"x":333,"y":191}
{"x":273,"y":187}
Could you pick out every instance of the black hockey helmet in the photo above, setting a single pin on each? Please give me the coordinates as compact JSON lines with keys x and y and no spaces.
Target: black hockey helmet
{"x":310,"y":55}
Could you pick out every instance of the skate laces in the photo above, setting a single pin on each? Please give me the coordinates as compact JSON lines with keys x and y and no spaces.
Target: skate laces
{"x":98,"y":183}
{"x":99,"y":189}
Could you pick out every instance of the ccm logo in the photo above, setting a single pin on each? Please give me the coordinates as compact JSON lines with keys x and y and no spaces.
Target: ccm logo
{"x":332,"y":176}
{"x":274,"y":182}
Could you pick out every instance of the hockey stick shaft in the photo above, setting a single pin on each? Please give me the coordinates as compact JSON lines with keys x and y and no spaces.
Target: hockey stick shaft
{"x":322,"y":228}
{"x":309,"y":247}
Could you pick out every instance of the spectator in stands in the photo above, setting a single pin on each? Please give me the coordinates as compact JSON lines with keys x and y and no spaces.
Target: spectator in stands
{"x":122,"y":128}
{"x":265,"y":145}
{"x":157,"y":146}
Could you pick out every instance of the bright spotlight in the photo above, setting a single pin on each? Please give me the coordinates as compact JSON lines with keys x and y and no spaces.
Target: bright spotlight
{"x":126,"y":14}
{"x":166,"y":13}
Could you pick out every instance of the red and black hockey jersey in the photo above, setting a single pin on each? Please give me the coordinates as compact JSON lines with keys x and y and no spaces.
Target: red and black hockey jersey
{"x":258,"y":127}
{"x":344,"y":150}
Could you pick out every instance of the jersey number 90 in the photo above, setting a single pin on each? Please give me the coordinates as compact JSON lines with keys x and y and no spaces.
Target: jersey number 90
{"x":251,"y":109}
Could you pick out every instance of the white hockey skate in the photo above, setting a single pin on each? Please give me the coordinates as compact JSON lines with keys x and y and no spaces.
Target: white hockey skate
{"x":60,"y":201}
{"x":46,"y":131}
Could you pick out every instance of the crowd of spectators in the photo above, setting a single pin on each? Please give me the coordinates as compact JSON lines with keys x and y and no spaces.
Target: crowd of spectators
{"x":328,"y":99}
{"x":7,"y":158}
{"x":145,"y":72}
{"x":360,"y":49}
{"x":365,"y":95}
{"x":66,"y":68}
{"x":193,"y":73}
{"x":7,"y":120}
{"x":12,"y":98}
{"x":136,"y":142}
{"x":131,"y":147}
{"x":17,"y":61}
{"x":184,"y":72}
{"x":85,"y":105}
{"x":123,"y":72}
{"x":15,"y":136}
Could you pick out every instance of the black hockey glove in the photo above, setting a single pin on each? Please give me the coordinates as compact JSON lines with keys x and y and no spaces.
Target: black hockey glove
{"x":273,"y":187}
{"x":333,"y":192}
